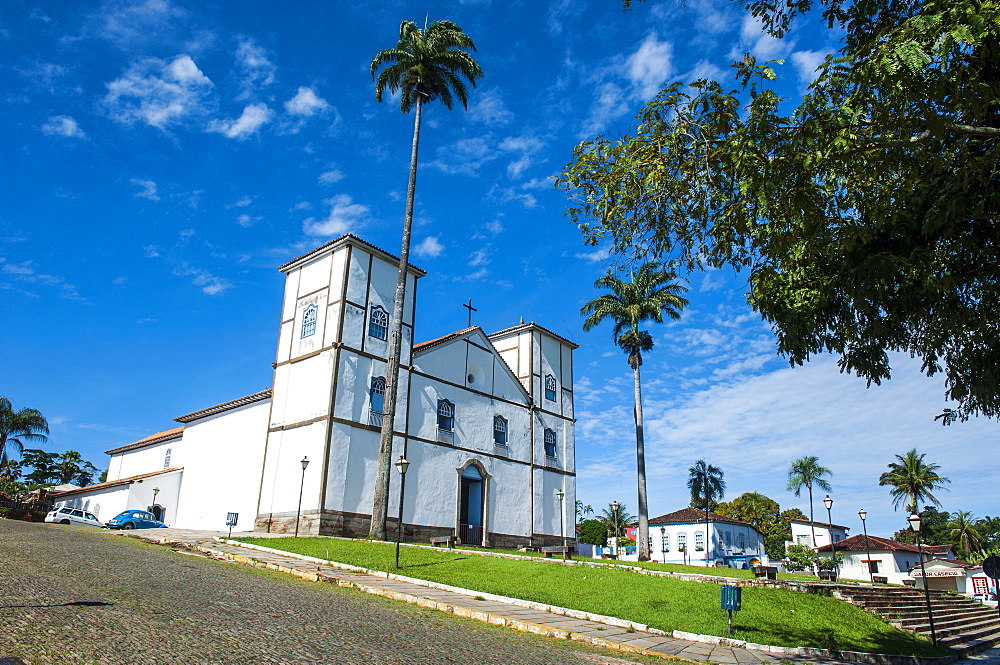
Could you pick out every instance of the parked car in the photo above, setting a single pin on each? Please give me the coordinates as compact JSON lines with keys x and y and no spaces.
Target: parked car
{"x":135,"y":519}
{"x":66,"y":515}
{"x":986,"y":598}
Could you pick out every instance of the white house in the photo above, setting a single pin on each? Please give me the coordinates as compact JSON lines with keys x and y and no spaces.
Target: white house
{"x":679,"y":537}
{"x":803,"y":532}
{"x":871,"y":557}
{"x":953,"y":575}
{"x":486,"y":422}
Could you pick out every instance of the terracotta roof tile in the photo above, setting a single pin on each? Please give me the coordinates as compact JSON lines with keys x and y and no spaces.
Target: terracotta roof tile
{"x":120,"y":481}
{"x":822,"y":524}
{"x":693,"y":515}
{"x":423,"y":346}
{"x":225,"y":406}
{"x":159,"y":437}
{"x":859,"y":543}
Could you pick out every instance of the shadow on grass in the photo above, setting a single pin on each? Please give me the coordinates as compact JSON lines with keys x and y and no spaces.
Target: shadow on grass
{"x":77,"y":603}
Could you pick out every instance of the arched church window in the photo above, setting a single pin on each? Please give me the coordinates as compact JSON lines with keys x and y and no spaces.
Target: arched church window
{"x":550,"y":387}
{"x":550,"y":443}
{"x":446,"y":415}
{"x":500,"y":430}
{"x":376,"y":401}
{"x":309,"y":321}
{"x":378,"y":323}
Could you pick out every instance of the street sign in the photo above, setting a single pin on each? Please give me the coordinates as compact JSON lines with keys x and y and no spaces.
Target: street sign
{"x":732,"y":601}
{"x":991,"y":566}
{"x":231,"y":520}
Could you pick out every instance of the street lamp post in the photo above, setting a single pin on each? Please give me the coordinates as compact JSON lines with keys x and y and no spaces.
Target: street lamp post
{"x":863,"y":514}
{"x":663,"y":543}
{"x":614,"y":511}
{"x":561,"y":495}
{"x":302,"y":484}
{"x":156,"y":490}
{"x":914,"y":521}
{"x":401,"y":465}
{"x":828,"y":502}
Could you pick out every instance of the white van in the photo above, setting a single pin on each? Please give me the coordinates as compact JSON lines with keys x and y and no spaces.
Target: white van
{"x":66,"y":515}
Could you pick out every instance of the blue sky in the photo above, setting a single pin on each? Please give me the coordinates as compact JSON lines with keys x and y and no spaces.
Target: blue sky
{"x":163,"y":157}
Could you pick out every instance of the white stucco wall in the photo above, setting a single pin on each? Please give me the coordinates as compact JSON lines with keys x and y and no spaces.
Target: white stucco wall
{"x":146,"y":459}
{"x":224,"y":461}
{"x":725,"y":541}
{"x":107,"y":502}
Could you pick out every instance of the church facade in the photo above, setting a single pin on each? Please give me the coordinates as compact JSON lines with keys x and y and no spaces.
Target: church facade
{"x":486,"y":422}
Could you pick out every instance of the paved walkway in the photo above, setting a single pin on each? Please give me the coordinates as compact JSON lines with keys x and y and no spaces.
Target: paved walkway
{"x":490,"y":611}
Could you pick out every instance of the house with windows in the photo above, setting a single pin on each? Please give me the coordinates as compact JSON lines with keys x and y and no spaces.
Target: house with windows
{"x":485,"y":420}
{"x":870,"y":557}
{"x":804,"y":531}
{"x":680,"y":537}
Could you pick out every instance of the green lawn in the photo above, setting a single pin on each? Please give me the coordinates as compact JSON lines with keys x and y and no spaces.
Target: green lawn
{"x":769,"y":616}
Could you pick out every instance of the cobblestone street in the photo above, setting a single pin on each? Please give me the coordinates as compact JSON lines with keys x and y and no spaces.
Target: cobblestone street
{"x":80,"y":595}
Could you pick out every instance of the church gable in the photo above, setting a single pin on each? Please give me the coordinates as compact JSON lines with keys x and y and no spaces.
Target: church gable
{"x":467,"y":358}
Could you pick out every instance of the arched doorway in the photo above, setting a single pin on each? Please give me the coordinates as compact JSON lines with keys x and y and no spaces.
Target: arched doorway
{"x":471,"y":505}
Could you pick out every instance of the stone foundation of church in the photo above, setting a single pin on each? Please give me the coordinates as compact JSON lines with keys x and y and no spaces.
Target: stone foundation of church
{"x":354,"y":525}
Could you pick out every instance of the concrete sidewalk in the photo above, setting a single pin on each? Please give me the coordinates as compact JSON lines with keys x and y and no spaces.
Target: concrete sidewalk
{"x":491,"y":611}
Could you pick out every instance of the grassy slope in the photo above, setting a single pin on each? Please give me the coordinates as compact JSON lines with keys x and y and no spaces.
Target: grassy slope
{"x":769,"y":616}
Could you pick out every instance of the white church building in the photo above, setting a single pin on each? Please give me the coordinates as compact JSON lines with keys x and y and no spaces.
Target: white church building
{"x":485,"y":420}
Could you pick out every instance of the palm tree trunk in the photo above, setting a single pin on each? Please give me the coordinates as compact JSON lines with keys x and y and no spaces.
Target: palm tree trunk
{"x":812,"y":522}
{"x":642,"y":536}
{"x":708,"y":538}
{"x":380,"y":503}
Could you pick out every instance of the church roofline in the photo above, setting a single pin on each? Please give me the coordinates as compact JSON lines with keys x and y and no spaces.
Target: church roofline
{"x":225,"y":406}
{"x":524,"y":327}
{"x":431,"y":343}
{"x":159,"y":437}
{"x":346,"y":239}
{"x":120,"y":481}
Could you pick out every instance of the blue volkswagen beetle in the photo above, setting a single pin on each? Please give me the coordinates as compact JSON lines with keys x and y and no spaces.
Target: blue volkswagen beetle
{"x":135,"y":519}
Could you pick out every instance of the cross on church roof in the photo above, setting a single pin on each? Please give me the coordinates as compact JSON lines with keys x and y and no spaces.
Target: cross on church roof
{"x":471,"y":310}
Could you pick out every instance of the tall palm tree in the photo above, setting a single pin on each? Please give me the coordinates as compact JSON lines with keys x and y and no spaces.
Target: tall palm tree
{"x":617,"y":518}
{"x":963,"y":531}
{"x":426,"y":64}
{"x":648,"y":296}
{"x":16,"y":427}
{"x":912,"y":480}
{"x":807,"y":472}
{"x":706,"y":485}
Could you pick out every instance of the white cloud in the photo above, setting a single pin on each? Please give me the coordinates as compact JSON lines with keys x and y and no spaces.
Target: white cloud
{"x":480,"y":257}
{"x":429,"y":248}
{"x":344,"y":216}
{"x":306,"y":103}
{"x":159,"y":93}
{"x":490,"y":109}
{"x":63,"y":125}
{"x":465,"y":156}
{"x":610,"y":101}
{"x":246,"y":221}
{"x":330,"y":177}
{"x":526,"y":147}
{"x":596,"y":256}
{"x":253,"y":118}
{"x":758,"y":43}
{"x":129,"y":24}
{"x":210,"y":284}
{"x":257,"y":70}
{"x":147,"y":189}
{"x":26,"y":272}
{"x":241,"y":203}
{"x":650,"y":66}
{"x":806,"y":63}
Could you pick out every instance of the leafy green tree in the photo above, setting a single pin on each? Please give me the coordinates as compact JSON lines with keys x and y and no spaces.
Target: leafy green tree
{"x":989,"y":530}
{"x":426,"y":64}
{"x":582,"y":510}
{"x":651,"y":293}
{"x":800,"y":558}
{"x":16,"y":427}
{"x":866,"y":217}
{"x":806,"y":472}
{"x":912,"y":481}
{"x":593,"y":532}
{"x":706,"y":484}
{"x":44,"y":466}
{"x":10,"y":472}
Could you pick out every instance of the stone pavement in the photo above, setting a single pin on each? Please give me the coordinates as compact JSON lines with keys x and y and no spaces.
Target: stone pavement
{"x":491,"y":611}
